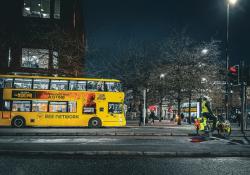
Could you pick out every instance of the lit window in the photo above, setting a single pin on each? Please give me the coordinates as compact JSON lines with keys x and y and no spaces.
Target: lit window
{"x":6,"y":106}
{"x":8,"y":82}
{"x":57,"y":9}
{"x":1,"y":83}
{"x":113,"y":86}
{"x":81,"y":85}
{"x":39,"y":106}
{"x":35,"y":58}
{"x":22,"y":83}
{"x":41,"y":84}
{"x":95,"y":86}
{"x":37,"y":8}
{"x":73,"y":85}
{"x":21,"y":106}
{"x":55,"y":60}
{"x":72,"y":106}
{"x":59,"y":85}
{"x":58,"y":107}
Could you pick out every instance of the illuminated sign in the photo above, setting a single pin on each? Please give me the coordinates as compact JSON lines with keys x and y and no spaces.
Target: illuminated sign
{"x":23,"y":94}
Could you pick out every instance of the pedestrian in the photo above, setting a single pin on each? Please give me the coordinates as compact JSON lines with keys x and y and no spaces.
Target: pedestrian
{"x":140,"y":114}
{"x":152,"y":117}
{"x":238,"y":117}
{"x":182,"y":116}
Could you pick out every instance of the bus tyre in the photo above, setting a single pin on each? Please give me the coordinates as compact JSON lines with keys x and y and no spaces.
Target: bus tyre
{"x":95,"y":123}
{"x":18,"y":122}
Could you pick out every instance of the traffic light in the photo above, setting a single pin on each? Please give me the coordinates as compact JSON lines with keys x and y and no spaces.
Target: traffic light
{"x":233,"y":75}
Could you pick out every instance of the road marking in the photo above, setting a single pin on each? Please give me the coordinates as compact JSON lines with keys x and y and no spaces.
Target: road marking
{"x":75,"y":140}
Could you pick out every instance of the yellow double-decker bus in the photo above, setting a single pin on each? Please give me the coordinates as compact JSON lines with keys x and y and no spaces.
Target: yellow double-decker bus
{"x":60,"y":101}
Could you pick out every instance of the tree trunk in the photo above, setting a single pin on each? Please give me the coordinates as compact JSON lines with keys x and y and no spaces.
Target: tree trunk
{"x":179,"y":105}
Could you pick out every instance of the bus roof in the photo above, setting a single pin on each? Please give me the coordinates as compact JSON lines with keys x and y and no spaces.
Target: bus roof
{"x":57,"y":78}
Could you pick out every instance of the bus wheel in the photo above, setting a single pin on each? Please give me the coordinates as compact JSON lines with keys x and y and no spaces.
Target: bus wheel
{"x":95,"y":123}
{"x":18,"y":122}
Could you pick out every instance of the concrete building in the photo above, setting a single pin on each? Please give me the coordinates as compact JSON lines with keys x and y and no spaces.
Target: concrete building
{"x":42,"y":36}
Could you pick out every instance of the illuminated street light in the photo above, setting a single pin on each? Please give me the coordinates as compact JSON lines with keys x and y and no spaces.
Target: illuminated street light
{"x":162,"y":75}
{"x":229,"y":2}
{"x":232,"y":1}
{"x":204,"y":51}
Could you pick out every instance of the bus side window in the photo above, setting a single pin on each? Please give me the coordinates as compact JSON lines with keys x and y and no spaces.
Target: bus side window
{"x":1,"y":82}
{"x":100,"y":86}
{"x":21,"y":106}
{"x":23,"y":83}
{"x":8,"y":82}
{"x":6,"y":106}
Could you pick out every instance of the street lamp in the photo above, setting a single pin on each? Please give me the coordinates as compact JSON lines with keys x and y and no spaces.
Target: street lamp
{"x":162,"y":76}
{"x":229,"y":2}
{"x":232,"y":1}
{"x":204,"y":51}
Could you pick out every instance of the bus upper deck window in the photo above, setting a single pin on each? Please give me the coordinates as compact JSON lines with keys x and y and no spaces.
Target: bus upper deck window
{"x":8,"y":82}
{"x":113,"y":87}
{"x":81,"y":85}
{"x":41,"y":84}
{"x":95,"y":86}
{"x":73,"y":85}
{"x":1,"y":82}
{"x":20,"y":83}
{"x":59,"y":85}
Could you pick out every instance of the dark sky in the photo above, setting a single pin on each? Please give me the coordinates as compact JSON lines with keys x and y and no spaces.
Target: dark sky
{"x":112,"y":22}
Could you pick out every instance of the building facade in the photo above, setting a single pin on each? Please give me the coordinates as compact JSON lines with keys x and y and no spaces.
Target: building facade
{"x":42,"y":36}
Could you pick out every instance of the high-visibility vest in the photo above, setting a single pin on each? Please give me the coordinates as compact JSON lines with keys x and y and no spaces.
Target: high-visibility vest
{"x":203,"y":107}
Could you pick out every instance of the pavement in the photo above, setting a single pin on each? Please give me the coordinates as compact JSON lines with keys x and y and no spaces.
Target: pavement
{"x":164,"y":138}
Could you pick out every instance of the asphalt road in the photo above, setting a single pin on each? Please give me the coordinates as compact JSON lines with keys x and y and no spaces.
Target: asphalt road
{"x":73,"y":144}
{"x":68,"y":165}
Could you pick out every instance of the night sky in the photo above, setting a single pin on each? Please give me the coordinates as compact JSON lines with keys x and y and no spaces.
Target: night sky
{"x":109,"y":23}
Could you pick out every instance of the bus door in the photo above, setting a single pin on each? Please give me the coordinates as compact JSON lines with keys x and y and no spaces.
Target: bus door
{"x":5,"y":110}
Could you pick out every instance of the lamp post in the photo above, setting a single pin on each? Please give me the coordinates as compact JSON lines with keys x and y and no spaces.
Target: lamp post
{"x":229,"y":2}
{"x":162,"y":77}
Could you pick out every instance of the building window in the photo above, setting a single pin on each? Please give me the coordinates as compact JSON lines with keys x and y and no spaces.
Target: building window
{"x":41,"y":84}
{"x":39,"y":106}
{"x":59,"y":85}
{"x":20,"y":83}
{"x":9,"y":57}
{"x":58,"y":107}
{"x":57,"y":9}
{"x":37,"y":8}
{"x":35,"y":58}
{"x":21,"y":106}
{"x":55,"y":60}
